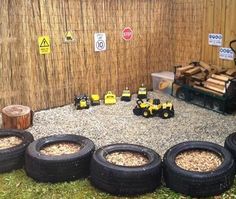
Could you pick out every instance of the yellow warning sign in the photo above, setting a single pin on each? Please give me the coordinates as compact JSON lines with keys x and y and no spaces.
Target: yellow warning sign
{"x":44,"y":45}
{"x":69,"y":36}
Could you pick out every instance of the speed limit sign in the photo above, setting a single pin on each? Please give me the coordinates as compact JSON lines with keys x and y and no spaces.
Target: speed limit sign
{"x":100,"y":42}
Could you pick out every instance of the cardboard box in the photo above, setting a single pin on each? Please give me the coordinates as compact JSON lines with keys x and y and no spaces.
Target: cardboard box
{"x":162,"y":81}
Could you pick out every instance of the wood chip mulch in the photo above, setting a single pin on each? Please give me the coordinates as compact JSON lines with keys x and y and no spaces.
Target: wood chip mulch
{"x":8,"y":142}
{"x":198,"y":160}
{"x":127,"y":159}
{"x":61,"y":148}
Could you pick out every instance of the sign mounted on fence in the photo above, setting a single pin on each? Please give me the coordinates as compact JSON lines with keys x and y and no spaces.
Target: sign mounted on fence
{"x":69,"y":37}
{"x":44,"y":45}
{"x":215,"y":39}
{"x":127,"y":34}
{"x":226,"y":53}
{"x":100,"y":42}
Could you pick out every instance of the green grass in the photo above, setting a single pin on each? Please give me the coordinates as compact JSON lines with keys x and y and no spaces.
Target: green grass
{"x":17,"y":185}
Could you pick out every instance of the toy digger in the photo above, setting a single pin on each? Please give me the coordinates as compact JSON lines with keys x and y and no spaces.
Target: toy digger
{"x":153,"y":107}
{"x":81,"y":102}
{"x":142,"y":92}
{"x":126,"y":95}
{"x":95,"y":99}
{"x":110,"y":98}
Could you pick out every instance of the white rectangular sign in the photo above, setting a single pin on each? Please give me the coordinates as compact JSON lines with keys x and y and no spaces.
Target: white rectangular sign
{"x":100,"y":42}
{"x":226,"y":53}
{"x":215,"y":39}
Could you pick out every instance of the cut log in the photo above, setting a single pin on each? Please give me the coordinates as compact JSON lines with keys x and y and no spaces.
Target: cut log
{"x":220,"y":77}
{"x":231,"y":72}
{"x":215,"y":81}
{"x":193,"y":71}
{"x":208,"y":90}
{"x":17,"y":117}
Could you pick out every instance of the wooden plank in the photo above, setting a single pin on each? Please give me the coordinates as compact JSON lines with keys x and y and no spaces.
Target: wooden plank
{"x":193,"y":71}
{"x":220,"y":77}
{"x":205,"y":65}
{"x":208,"y":90}
{"x":214,"y":85}
{"x":215,"y":81}
{"x":214,"y":88}
{"x":231,"y":72}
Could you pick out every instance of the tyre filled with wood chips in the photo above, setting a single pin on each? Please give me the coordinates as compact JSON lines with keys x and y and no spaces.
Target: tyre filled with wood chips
{"x":13,"y":144}
{"x":126,"y":169}
{"x":59,"y":158}
{"x":198,"y":169}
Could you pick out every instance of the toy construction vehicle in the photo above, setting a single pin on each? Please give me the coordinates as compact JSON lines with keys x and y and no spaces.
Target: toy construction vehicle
{"x":153,"y":107}
{"x":95,"y":100}
{"x":142,"y":92}
{"x":110,"y":98}
{"x":126,"y":95}
{"x":81,"y":102}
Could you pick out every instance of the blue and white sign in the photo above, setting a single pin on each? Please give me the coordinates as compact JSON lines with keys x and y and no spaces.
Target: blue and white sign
{"x":100,"y":42}
{"x":215,"y":39}
{"x":226,"y":53}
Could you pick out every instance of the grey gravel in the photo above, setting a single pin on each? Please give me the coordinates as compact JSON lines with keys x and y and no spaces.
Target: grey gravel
{"x":117,"y":124}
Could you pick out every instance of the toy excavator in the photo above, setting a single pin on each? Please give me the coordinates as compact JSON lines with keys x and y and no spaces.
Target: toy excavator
{"x":110,"y":98}
{"x":126,"y":95}
{"x":81,"y":102}
{"x":142,"y":92}
{"x":153,"y":107}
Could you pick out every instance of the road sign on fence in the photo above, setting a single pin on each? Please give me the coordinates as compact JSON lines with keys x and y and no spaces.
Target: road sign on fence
{"x":100,"y":42}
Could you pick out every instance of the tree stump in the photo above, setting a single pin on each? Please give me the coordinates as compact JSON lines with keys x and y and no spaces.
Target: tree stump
{"x":17,"y":117}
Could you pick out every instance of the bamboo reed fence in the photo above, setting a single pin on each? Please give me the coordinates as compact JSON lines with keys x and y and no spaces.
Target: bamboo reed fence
{"x":166,"y":32}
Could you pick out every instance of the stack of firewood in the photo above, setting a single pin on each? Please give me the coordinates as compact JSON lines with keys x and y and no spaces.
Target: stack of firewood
{"x":206,"y":77}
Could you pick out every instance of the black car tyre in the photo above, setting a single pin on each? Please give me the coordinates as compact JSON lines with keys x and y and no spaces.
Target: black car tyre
{"x":125,"y":180}
{"x":198,"y":184}
{"x":13,"y":158}
{"x":230,"y":144}
{"x":66,"y":167}
{"x":146,"y":113}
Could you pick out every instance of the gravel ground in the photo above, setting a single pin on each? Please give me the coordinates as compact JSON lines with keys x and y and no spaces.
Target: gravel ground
{"x":116,"y":124}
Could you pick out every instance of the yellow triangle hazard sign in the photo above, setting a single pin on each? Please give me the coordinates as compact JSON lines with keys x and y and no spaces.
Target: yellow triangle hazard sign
{"x":44,"y":45}
{"x":69,"y":36}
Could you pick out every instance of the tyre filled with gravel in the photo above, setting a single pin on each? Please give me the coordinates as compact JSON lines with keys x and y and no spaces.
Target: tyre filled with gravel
{"x":13,"y":144}
{"x":230,"y":144}
{"x":198,"y":169}
{"x":126,"y":169}
{"x":59,"y":158}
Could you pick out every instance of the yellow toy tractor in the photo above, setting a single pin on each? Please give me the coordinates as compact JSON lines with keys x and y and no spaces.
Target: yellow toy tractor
{"x":126,"y":95}
{"x":95,"y":99}
{"x":142,"y":92}
{"x":110,"y":98}
{"x":153,"y":107}
{"x":81,"y":102}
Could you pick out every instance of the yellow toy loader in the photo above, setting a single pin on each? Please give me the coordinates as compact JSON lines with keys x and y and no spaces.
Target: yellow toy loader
{"x":153,"y":107}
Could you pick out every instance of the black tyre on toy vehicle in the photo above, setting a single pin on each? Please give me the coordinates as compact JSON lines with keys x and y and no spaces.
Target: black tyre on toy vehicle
{"x":13,"y":158}
{"x":230,"y":144}
{"x":198,"y":184}
{"x":125,"y":180}
{"x":66,"y":167}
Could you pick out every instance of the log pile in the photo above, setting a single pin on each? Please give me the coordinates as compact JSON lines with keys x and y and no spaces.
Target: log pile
{"x":208,"y":78}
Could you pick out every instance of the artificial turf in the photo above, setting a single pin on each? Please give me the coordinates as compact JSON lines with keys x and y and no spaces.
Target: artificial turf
{"x":17,"y":185}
